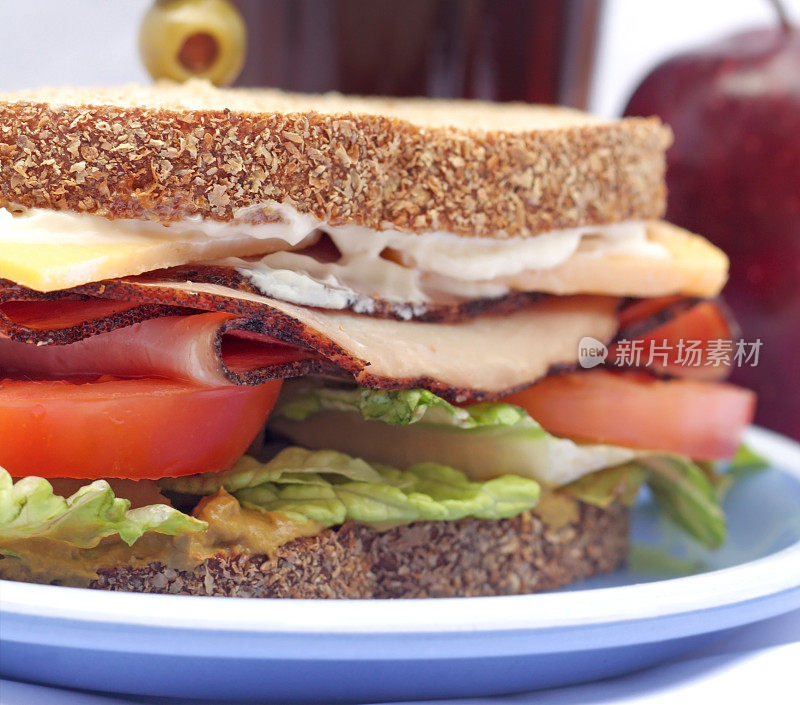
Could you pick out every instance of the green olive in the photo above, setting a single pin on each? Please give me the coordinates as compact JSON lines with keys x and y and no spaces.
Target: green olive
{"x":183,"y":39}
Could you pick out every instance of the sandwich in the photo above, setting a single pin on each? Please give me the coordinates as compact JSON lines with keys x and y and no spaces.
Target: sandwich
{"x":273,"y":345}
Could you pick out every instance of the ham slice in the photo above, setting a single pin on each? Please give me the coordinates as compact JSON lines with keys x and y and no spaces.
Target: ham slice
{"x":206,"y":348}
{"x":64,"y":313}
{"x":64,"y":317}
{"x":250,"y":336}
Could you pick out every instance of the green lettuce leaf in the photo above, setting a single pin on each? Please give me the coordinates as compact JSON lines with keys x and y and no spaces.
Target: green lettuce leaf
{"x":291,"y":465}
{"x":410,"y":426}
{"x":687,"y":496}
{"x":29,"y":508}
{"x":745,"y":462}
{"x":400,"y":407}
{"x":302,"y":503}
{"x":494,"y":439}
{"x":724,"y":474}
{"x":602,"y":488}
{"x":349,"y":489}
{"x":658,"y":561}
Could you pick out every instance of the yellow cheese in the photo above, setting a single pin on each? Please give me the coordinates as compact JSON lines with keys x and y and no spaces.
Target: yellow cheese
{"x":48,"y":266}
{"x":692,"y":267}
{"x":49,"y":250}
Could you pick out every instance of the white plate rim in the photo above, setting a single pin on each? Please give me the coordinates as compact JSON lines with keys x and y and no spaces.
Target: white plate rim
{"x":752,"y":581}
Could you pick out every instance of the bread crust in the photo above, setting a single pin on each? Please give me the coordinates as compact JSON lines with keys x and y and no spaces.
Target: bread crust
{"x":466,"y":558}
{"x":344,"y":168}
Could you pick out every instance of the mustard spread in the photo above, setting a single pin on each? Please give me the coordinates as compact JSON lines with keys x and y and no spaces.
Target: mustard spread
{"x":232,"y":529}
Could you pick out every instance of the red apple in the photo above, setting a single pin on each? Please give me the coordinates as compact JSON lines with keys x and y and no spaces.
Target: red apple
{"x":734,"y":176}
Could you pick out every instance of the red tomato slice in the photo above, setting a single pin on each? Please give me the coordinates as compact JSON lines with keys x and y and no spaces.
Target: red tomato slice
{"x":642,"y":309}
{"x":701,"y":420}
{"x":696,"y":343}
{"x":133,"y":428}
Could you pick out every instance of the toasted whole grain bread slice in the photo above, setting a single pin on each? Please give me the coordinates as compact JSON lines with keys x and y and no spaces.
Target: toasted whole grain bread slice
{"x":471,"y":557}
{"x":471,"y":168}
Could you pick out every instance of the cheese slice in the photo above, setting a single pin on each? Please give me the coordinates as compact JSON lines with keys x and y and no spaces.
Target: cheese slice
{"x":49,"y":250}
{"x":692,"y":267}
{"x":50,"y":266}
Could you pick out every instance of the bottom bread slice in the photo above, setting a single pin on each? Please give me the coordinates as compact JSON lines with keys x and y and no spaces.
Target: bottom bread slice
{"x":471,"y":557}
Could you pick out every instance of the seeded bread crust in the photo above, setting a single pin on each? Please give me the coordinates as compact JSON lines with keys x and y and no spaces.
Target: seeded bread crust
{"x":475,"y":169}
{"x":465,"y":558}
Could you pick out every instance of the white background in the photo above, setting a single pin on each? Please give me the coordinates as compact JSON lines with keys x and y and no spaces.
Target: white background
{"x":91,"y":42}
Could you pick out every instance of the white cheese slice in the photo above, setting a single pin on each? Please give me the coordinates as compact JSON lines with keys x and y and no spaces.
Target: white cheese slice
{"x":49,"y":250}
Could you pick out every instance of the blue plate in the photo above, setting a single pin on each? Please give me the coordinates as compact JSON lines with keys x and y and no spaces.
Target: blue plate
{"x":370,"y":650}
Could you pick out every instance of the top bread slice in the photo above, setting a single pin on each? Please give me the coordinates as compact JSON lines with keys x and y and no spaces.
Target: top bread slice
{"x":471,"y":168}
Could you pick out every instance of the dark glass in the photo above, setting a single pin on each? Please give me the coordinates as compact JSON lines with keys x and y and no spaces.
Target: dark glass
{"x":531,"y":50}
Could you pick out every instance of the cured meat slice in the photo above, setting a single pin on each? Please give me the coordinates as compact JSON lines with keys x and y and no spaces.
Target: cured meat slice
{"x":452,"y":359}
{"x":206,"y":348}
